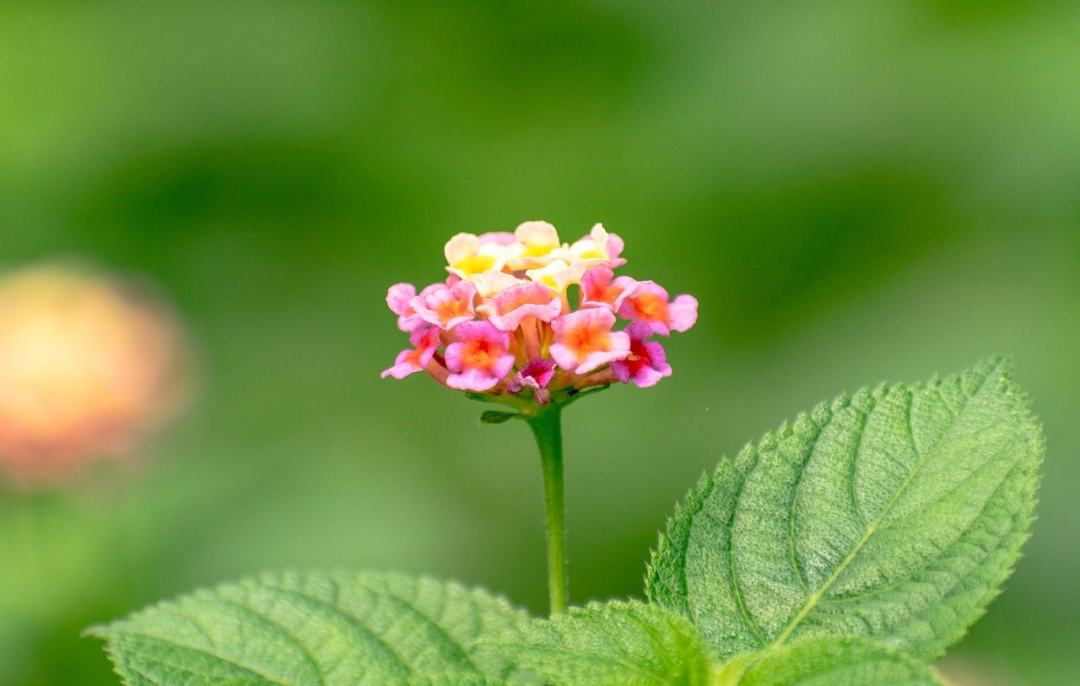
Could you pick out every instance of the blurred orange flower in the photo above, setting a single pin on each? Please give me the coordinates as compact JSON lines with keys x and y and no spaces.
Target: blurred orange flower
{"x":89,"y":364}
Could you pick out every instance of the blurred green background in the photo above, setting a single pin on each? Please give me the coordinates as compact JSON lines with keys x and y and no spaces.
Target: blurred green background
{"x":855,"y":192}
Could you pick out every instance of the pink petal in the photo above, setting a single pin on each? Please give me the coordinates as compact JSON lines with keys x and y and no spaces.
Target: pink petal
{"x":409,"y":362}
{"x":566,"y":359}
{"x":683,"y":312}
{"x":632,"y":306}
{"x":497,"y":237}
{"x":582,"y":318}
{"x":503,"y":366}
{"x":430,"y":302}
{"x":471,"y":331}
{"x":600,"y":288}
{"x":508,"y":308}
{"x":453,"y":356}
{"x":472,"y":380}
{"x":620,"y":348}
{"x":594,"y":361}
{"x":587,"y":359}
{"x":615,"y":247}
{"x":398,"y":297}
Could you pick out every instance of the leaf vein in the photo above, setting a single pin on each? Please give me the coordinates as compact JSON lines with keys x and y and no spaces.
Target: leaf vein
{"x":736,"y":591}
{"x":353,"y":621}
{"x":814,"y":598}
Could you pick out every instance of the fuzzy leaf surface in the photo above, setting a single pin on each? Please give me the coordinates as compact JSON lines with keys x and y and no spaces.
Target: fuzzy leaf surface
{"x":826,"y":661}
{"x":894,"y":514}
{"x":612,"y":644}
{"x":313,"y":629}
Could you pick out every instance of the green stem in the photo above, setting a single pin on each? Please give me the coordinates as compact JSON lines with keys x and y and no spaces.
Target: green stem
{"x":547,"y":428}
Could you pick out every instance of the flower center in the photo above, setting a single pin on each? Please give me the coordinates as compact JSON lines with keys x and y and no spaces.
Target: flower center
{"x":593,"y":252}
{"x":639,"y":354}
{"x":476,"y":264}
{"x":448,"y":309}
{"x":478,"y":355}
{"x":539,"y":249}
{"x":651,"y":307}
{"x":587,"y":339}
{"x":609,"y":294}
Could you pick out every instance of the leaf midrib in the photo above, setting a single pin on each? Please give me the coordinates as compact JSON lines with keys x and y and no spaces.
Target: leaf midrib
{"x":872,"y":527}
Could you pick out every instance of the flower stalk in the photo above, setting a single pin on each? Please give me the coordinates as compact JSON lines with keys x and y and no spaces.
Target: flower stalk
{"x":547,"y":429}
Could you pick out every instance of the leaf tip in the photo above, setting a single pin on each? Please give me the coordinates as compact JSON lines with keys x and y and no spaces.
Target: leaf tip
{"x":99,"y":631}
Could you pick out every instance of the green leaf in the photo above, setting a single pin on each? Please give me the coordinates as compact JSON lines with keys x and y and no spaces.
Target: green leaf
{"x":456,"y":679}
{"x":314,"y":629}
{"x":826,"y":661}
{"x":894,"y":514}
{"x":573,"y":395}
{"x":496,"y":417}
{"x":614,"y":644}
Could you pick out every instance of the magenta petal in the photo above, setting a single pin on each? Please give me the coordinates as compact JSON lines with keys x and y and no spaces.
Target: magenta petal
{"x":639,"y":331}
{"x":647,"y":376}
{"x":656,"y":355}
{"x":622,"y":370}
{"x":647,"y":363}
{"x":536,"y":374}
{"x":541,"y":371}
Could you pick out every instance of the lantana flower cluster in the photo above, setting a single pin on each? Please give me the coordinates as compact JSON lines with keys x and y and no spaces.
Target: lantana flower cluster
{"x":90,"y":365}
{"x":502,"y":323}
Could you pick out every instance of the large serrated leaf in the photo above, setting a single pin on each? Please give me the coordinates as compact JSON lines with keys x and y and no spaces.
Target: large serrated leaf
{"x":826,"y":661}
{"x":313,"y":629}
{"x":457,"y":679}
{"x":894,"y":514}
{"x":614,"y":644}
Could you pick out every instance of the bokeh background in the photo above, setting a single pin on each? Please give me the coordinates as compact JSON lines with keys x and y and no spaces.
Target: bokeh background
{"x":855,"y":192}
